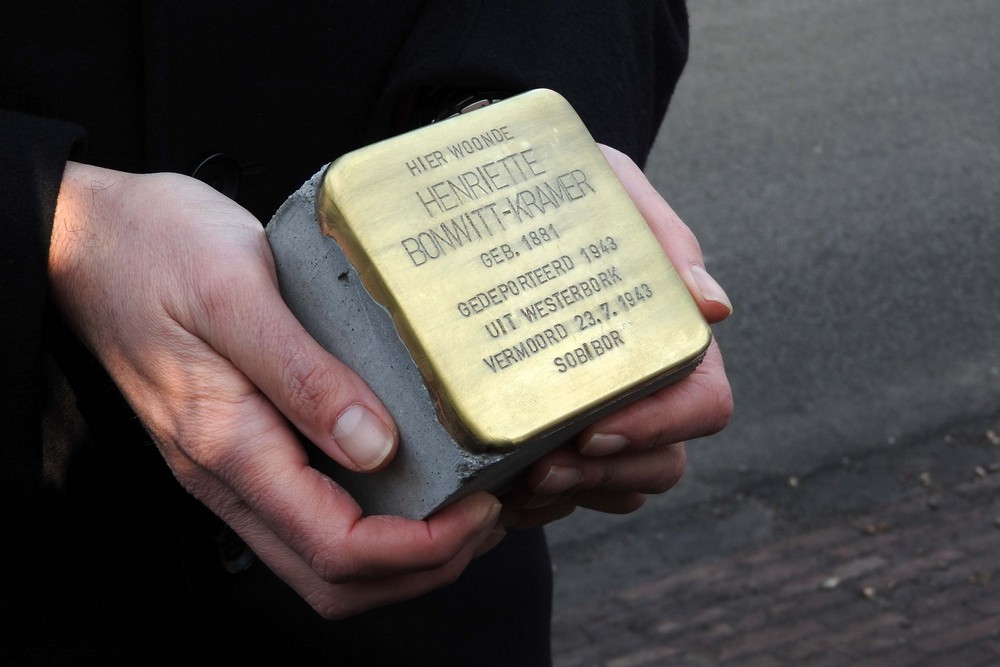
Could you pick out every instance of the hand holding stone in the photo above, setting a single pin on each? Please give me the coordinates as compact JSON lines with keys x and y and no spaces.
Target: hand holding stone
{"x":172,"y":286}
{"x":615,"y":463}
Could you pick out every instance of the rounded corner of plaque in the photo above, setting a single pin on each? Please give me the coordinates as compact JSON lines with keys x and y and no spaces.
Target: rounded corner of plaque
{"x":489,"y":446}
{"x":328,"y":210}
{"x":701,"y":337}
{"x":706,"y":336}
{"x":478,"y":439}
{"x":549,"y":92}
{"x":551,"y":97}
{"x":332,"y":174}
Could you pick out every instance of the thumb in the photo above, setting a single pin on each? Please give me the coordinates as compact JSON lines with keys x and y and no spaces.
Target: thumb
{"x":325,"y":400}
{"x":678,"y":242}
{"x":240,"y":314}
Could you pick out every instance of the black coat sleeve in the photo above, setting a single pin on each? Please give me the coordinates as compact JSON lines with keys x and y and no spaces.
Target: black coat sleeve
{"x":31,"y":166}
{"x":617,"y":63}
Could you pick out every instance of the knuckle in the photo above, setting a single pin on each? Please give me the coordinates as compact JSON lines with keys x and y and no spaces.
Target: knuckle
{"x":332,"y":560}
{"x":722,"y":407}
{"x":211,"y":442}
{"x":449,"y":573}
{"x":215,"y":288}
{"x":666,"y":479}
{"x":307,"y":384}
{"x":332,"y":567}
{"x":713,"y":404}
{"x":204,"y":447}
{"x":633,"y":502}
{"x":605,"y":476}
{"x":440,"y":556}
{"x":330,"y":606}
{"x":683,"y":234}
{"x":615,"y":503}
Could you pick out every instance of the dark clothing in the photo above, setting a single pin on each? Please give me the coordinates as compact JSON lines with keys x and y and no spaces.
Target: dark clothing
{"x":108,"y":560}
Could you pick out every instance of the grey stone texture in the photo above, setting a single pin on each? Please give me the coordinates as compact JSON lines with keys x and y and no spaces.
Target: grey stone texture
{"x":325,"y":292}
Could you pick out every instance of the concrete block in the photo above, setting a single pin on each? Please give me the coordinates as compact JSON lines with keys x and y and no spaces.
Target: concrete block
{"x":325,"y":292}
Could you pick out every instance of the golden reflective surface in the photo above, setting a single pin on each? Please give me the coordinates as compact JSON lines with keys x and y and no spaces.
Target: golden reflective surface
{"x":526,"y":285}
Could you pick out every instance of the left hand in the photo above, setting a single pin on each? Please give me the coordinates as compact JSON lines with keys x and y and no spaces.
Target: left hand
{"x":614,"y":464}
{"x":173,"y":288}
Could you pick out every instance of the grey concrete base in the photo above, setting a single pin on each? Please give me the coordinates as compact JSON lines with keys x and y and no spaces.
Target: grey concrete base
{"x":325,"y":293}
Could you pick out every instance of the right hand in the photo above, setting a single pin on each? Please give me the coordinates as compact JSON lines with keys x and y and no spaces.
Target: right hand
{"x":617,"y":462}
{"x":173,"y":287}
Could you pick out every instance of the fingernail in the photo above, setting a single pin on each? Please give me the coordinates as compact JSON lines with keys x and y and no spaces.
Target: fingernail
{"x":559,"y":479}
{"x":492,"y":539}
{"x":710,"y":290}
{"x":490,"y":515}
{"x":363,"y":437}
{"x":604,"y":444}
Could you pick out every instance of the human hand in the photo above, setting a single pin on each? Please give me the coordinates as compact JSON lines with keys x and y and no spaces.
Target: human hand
{"x":614,"y":464}
{"x":173,"y":287}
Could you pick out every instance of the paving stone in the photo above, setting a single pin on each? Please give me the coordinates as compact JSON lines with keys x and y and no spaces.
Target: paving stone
{"x":919,"y":588}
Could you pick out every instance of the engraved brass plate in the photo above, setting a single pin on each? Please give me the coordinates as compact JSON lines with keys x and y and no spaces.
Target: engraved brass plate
{"x":521,"y":277}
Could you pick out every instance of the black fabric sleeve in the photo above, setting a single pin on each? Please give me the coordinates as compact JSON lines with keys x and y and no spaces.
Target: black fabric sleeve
{"x":31,"y":166}
{"x":617,"y":63}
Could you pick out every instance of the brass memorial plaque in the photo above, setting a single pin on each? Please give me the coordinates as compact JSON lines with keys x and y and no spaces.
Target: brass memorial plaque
{"x":526,"y":285}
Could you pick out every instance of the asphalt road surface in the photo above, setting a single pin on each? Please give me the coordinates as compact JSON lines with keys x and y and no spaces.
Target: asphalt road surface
{"x":839,"y":161}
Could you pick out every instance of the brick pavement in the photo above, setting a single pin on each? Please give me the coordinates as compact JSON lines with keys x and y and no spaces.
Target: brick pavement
{"x":915,"y":583}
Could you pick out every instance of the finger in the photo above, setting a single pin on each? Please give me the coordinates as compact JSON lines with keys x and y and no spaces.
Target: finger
{"x":383,"y":544}
{"x":650,"y":471}
{"x":525,"y":518}
{"x":267,"y":470}
{"x":677,"y":240}
{"x":352,"y":598}
{"x":561,"y":506}
{"x":338,"y":600}
{"x":377,"y":547}
{"x":221,"y":432}
{"x":611,"y":502}
{"x":700,"y":405}
{"x":324,"y":399}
